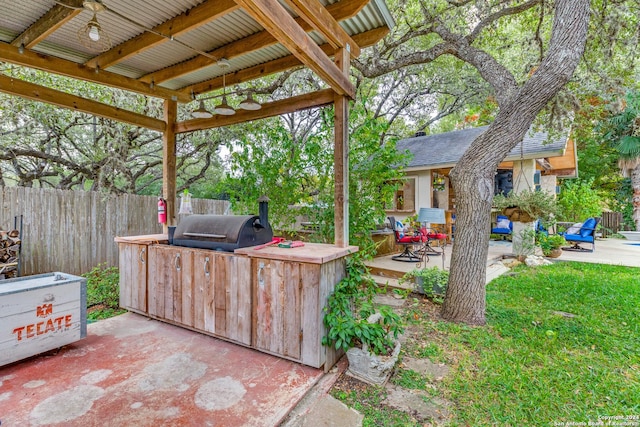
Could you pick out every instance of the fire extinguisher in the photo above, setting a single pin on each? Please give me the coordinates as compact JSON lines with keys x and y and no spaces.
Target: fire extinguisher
{"x":162,"y":210}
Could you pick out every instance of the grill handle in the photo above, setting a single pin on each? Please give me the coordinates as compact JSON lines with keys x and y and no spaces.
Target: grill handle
{"x":206,"y":266}
{"x":210,"y":236}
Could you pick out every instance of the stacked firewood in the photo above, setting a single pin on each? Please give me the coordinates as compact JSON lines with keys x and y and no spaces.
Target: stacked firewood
{"x":9,"y":253}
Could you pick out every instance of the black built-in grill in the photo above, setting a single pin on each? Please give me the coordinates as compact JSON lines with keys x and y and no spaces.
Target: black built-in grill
{"x":224,"y":232}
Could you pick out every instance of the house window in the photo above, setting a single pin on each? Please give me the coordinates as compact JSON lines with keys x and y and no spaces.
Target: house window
{"x":536,"y":181}
{"x":404,"y":199}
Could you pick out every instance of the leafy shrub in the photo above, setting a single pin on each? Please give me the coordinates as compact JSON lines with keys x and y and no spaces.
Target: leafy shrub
{"x":579,"y":201}
{"x":623,"y":203}
{"x":549,"y":242}
{"x":431,"y":281}
{"x":103,"y":290}
{"x":349,"y":307}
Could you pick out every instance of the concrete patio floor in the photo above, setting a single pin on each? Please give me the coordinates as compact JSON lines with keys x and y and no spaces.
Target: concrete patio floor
{"x":608,"y":251}
{"x":133,"y":371}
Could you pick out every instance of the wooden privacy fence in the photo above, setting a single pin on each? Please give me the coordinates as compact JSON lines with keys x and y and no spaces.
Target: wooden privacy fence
{"x":611,"y":223}
{"x":73,"y":231}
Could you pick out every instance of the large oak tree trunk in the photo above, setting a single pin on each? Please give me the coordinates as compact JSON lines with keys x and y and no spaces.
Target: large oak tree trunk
{"x":472,"y":177}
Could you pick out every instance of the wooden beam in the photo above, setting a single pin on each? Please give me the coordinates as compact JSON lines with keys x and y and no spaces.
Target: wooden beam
{"x":272,"y":109}
{"x":244,"y":75}
{"x":568,"y":160}
{"x":365,"y":39}
{"x":341,"y":171}
{"x":187,"y":21}
{"x":63,"y":67}
{"x":505,"y":165}
{"x":561,"y":173}
{"x":55,"y":17}
{"x":341,"y":158}
{"x":50,"y":96}
{"x":275,"y":19}
{"x":339,"y":11}
{"x":319,"y":18}
{"x":169,"y":162}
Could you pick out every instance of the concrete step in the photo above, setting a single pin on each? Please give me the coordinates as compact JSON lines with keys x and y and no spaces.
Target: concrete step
{"x":495,"y":269}
{"x":385,"y":272}
{"x":319,"y":409}
{"x":389,"y":282}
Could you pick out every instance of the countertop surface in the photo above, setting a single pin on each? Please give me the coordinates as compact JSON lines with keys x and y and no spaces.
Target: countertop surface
{"x":314,"y":253}
{"x":147,"y":239}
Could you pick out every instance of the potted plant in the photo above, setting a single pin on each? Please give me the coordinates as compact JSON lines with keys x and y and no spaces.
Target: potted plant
{"x":400,"y":200}
{"x":551,"y":244}
{"x":431,"y":282}
{"x":527,"y":205}
{"x":368,"y":334}
{"x":438,"y":182}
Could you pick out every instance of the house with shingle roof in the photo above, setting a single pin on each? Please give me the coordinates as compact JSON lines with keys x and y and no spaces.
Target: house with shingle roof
{"x":538,"y":161}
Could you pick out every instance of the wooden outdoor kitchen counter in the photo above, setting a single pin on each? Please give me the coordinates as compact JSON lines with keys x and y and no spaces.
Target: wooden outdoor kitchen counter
{"x":147,"y":239}
{"x":270,"y":299}
{"x":314,"y":253}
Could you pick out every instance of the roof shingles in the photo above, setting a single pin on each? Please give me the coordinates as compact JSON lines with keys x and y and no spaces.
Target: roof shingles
{"x":445,"y":149}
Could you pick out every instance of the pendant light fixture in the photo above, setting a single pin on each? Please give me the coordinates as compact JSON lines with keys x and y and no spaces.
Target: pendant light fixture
{"x":250,"y":104}
{"x":91,"y":35}
{"x":201,"y":112}
{"x":94,"y":5}
{"x":223,"y":108}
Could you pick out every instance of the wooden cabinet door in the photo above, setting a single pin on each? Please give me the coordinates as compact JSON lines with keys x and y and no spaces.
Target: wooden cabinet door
{"x":277,"y":293}
{"x":133,"y":276}
{"x":171,"y":284}
{"x":222,"y":295}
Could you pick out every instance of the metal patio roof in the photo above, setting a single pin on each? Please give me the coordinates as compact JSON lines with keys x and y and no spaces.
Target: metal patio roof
{"x":170,"y":46}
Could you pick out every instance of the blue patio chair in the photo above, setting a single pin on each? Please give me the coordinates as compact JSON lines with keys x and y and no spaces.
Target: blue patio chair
{"x":586,"y":234}
{"x":503,"y":227}
{"x":540,"y":228}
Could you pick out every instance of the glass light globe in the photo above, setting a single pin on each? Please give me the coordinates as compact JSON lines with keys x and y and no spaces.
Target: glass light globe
{"x":94,"y":33}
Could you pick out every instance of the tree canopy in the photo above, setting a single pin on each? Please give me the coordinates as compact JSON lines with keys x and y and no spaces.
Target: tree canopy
{"x":49,"y":147}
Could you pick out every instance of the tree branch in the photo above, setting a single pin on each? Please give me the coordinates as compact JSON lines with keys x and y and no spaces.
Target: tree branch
{"x":498,"y":76}
{"x":376,"y":68}
{"x":500,"y":14}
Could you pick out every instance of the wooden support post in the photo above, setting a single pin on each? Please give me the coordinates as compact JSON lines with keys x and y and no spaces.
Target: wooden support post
{"x":169,"y":162}
{"x":341,"y":158}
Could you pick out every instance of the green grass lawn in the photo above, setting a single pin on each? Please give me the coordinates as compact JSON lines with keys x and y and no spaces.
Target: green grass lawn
{"x":103,"y":295}
{"x":531,"y":366}
{"x":561,"y":346}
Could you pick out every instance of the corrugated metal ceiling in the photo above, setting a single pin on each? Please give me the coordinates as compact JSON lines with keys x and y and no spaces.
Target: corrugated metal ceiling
{"x":63,"y":42}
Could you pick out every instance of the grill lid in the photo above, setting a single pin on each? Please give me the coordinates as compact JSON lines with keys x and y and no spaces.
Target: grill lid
{"x":218,"y":228}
